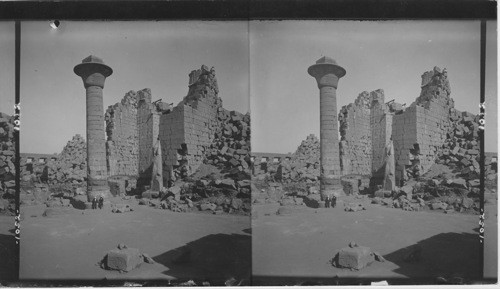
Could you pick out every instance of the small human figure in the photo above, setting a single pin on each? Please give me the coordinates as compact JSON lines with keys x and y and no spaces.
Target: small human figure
{"x":101,"y":202}
{"x":94,"y":203}
{"x":334,"y":201}
{"x":327,"y":202}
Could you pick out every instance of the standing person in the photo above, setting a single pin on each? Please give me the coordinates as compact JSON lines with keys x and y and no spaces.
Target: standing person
{"x":334,"y":201}
{"x":101,"y":202}
{"x":94,"y":203}
{"x":327,"y":202}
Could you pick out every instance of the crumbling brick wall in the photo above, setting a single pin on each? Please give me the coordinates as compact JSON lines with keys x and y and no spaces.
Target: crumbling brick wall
{"x":356,"y":137}
{"x":189,"y":129}
{"x":148,"y":120}
{"x":122,"y":136}
{"x":421,"y":130}
{"x":381,"y":129}
{"x":418,"y":132}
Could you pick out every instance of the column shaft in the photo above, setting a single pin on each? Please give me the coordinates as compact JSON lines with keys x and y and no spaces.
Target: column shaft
{"x":96,"y":143}
{"x":329,"y":141}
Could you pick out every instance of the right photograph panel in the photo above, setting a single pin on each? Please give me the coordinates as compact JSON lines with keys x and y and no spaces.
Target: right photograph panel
{"x":366,"y":152}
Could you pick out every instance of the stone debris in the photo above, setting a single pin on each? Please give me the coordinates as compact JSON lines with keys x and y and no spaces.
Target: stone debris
{"x":123,"y":259}
{"x":354,"y":207}
{"x":355,"y":257}
{"x":121,"y":208}
{"x":7,"y":168}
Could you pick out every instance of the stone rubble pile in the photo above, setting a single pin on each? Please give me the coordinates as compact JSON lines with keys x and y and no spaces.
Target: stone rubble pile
{"x":71,"y":164}
{"x":304,"y":164}
{"x":451,"y":195}
{"x":231,"y":145}
{"x":461,"y":149}
{"x":215,"y":196}
{"x":7,"y":159}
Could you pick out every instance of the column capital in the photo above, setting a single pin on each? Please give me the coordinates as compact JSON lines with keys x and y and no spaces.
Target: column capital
{"x":93,"y":71}
{"x":326,"y":71}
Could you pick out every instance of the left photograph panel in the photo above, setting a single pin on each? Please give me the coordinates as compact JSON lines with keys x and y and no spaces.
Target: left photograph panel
{"x":8,"y":247}
{"x":135,"y":152}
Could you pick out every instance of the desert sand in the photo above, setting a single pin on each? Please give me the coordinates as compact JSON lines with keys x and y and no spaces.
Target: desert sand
{"x":69,"y":246}
{"x":297,"y":247}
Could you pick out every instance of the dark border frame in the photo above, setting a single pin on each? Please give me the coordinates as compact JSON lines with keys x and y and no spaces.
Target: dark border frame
{"x":241,"y":10}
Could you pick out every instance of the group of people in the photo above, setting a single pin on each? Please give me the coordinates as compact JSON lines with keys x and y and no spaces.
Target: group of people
{"x":330,"y":202}
{"x":96,"y":203}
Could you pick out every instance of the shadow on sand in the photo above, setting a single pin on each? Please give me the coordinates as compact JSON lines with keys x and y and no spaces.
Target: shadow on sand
{"x":445,"y":255}
{"x":8,"y":269}
{"x":214,"y":258}
{"x":454,"y":256}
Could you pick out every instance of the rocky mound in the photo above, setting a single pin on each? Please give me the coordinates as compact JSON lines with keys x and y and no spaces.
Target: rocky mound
{"x":7,"y":167}
{"x":71,"y":164}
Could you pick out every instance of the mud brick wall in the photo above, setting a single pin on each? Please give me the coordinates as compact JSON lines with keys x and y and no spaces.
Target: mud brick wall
{"x":356,"y":136}
{"x":148,"y":120}
{"x":122,"y":136}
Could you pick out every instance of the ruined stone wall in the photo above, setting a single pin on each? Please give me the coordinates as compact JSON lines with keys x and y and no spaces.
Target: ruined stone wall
{"x":356,"y":136}
{"x":425,"y":127}
{"x":148,"y":121}
{"x":171,"y":132}
{"x":200,"y":120}
{"x":189,"y":129}
{"x":404,"y":136}
{"x":381,"y":129}
{"x":122,"y":151}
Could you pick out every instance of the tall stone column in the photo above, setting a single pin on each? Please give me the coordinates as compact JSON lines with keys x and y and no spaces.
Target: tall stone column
{"x":327,"y":74}
{"x":93,"y":72}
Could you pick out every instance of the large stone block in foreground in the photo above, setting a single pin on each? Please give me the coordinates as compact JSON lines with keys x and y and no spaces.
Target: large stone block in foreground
{"x":124,"y":259}
{"x":355,"y":258}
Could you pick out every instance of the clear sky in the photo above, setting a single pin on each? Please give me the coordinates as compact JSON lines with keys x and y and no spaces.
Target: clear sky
{"x":7,"y":67}
{"x":149,"y":54}
{"x":391,"y":55}
{"x":284,"y":99}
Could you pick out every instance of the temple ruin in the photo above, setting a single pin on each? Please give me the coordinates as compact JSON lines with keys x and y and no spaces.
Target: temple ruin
{"x":429,"y":131}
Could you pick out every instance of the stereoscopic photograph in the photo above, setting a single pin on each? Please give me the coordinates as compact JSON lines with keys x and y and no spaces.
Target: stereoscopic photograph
{"x":249,"y":153}
{"x":366,"y":155}
{"x":135,"y":154}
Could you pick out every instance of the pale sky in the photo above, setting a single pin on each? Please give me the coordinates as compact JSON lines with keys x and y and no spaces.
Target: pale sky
{"x":284,"y":99}
{"x":391,"y":55}
{"x":7,"y":67}
{"x":149,"y":54}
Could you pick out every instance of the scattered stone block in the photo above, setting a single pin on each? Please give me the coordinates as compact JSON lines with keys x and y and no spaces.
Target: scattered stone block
{"x":208,"y":207}
{"x":354,"y":207}
{"x":355,"y":258}
{"x":150,"y":194}
{"x":125,"y":259}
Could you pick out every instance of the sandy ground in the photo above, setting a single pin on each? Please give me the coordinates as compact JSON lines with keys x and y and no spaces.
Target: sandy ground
{"x":8,"y":254}
{"x":291,"y":249}
{"x":491,"y":241}
{"x":67,"y":247}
